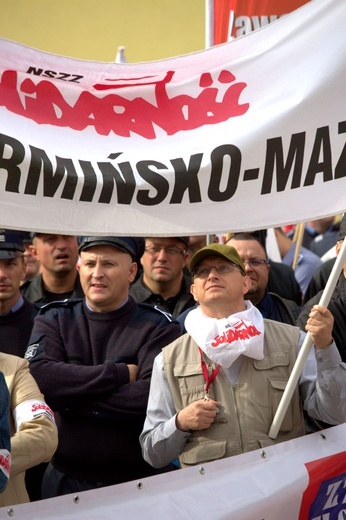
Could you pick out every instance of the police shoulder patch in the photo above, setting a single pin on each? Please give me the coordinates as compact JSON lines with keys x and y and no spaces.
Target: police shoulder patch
{"x":31,"y":351}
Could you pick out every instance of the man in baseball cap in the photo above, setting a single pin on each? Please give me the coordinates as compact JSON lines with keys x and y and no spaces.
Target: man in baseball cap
{"x":214,"y":390}
{"x":226,"y":252}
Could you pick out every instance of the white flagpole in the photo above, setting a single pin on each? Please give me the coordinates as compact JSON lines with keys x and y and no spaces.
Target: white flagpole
{"x":209,"y":23}
{"x":304,"y":351}
{"x":120,"y":56}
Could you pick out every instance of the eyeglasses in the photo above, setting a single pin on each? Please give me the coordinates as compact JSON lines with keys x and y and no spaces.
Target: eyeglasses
{"x":155,"y":250}
{"x":256,"y":263}
{"x":204,"y":271}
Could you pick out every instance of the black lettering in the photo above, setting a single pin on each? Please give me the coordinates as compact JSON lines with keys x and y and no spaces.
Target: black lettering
{"x":186,"y":179}
{"x":49,"y":74}
{"x":33,"y":70}
{"x":63,"y":76}
{"x":340,"y":168}
{"x":125,"y":182}
{"x":11,"y":164}
{"x":217,"y":166}
{"x":275,"y":156}
{"x":51,"y":180}
{"x":75,"y":78}
{"x":90,"y":181}
{"x":38,"y":157}
{"x":321,"y":147}
{"x":155,"y":180}
{"x":66,"y":165}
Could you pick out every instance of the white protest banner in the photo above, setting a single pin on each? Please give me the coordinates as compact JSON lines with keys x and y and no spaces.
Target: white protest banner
{"x":245,"y":135}
{"x":302,"y":479}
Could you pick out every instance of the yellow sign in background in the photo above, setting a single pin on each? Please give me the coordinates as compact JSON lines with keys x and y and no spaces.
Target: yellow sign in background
{"x":93,"y":30}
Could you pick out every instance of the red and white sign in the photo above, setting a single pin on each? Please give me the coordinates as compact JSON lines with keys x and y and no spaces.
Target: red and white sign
{"x":325,"y":496}
{"x":234,"y":18}
{"x":246,"y":135}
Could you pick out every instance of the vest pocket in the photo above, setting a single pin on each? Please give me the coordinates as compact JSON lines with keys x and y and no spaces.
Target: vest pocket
{"x":202,"y":451}
{"x":189,"y":395}
{"x":269,"y":377}
{"x":277,"y":390}
{"x":191,"y":383}
{"x":192,"y":387}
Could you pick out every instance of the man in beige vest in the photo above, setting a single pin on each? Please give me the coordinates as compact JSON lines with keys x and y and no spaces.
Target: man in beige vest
{"x":215,"y":390}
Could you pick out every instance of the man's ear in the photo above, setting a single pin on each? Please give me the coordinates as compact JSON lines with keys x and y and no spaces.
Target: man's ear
{"x":185,"y":257}
{"x":193,"y":292}
{"x":246,"y":284}
{"x":33,"y":251}
{"x":22,"y":278}
{"x":133,"y":271}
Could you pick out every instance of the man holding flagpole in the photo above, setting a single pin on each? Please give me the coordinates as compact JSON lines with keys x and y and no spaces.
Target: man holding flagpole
{"x":337,"y":303}
{"x":214,"y":391}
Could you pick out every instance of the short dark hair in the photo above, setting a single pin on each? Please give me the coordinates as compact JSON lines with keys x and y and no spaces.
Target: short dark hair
{"x":245,"y":235}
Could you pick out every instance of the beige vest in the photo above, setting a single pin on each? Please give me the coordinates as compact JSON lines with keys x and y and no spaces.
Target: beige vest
{"x":247,"y":408}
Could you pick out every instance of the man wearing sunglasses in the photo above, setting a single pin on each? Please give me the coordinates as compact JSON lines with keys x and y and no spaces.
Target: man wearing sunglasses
{"x":215,"y":390}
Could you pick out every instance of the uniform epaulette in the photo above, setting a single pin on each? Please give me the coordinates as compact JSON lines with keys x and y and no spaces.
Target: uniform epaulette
{"x":68,"y":302}
{"x":156,"y":309}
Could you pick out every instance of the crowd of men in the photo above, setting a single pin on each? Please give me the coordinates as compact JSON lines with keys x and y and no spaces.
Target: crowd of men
{"x":118,"y":352}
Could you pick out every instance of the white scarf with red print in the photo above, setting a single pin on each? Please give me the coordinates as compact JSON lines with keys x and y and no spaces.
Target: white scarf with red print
{"x":223,"y":341}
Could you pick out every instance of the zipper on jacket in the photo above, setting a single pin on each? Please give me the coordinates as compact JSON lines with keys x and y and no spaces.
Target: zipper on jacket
{"x":235,"y":400}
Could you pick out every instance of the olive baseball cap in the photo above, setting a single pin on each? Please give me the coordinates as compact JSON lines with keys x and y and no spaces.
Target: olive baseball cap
{"x":229,"y":253}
